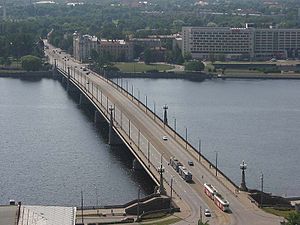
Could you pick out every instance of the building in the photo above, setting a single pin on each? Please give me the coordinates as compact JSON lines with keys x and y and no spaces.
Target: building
{"x":119,"y":50}
{"x":276,"y":43}
{"x":240,"y":43}
{"x":37,"y":215}
{"x":146,"y":42}
{"x":83,"y":45}
{"x":217,"y":42}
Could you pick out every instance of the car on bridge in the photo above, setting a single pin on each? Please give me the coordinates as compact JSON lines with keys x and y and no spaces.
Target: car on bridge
{"x":191,"y":163}
{"x":128,"y":219}
{"x":207,"y":213}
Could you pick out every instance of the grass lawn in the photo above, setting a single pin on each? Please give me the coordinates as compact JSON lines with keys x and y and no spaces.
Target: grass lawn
{"x":164,"y":222}
{"x":141,"y":67}
{"x":284,"y":212}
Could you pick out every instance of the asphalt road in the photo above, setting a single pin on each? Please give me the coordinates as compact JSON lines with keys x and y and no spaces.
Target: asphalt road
{"x":146,"y":138}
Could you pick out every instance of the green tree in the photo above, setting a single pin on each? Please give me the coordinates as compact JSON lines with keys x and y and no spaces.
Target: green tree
{"x":31,"y":63}
{"x":148,"y":56}
{"x":187,"y":56}
{"x":194,"y":66}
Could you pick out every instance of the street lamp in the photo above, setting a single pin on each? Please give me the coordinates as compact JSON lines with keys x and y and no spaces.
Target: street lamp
{"x":216,"y":163}
{"x":161,"y":170}
{"x":165,"y":107}
{"x":243,"y":167}
{"x":199,"y":148}
{"x":262,"y":189}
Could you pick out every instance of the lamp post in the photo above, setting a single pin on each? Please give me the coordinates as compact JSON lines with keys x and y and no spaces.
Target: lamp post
{"x":262,"y":189}
{"x":216,"y":163}
{"x":165,"y":107}
{"x":161,"y":170}
{"x":243,"y":167}
{"x":199,"y":150}
{"x":186,"y":137}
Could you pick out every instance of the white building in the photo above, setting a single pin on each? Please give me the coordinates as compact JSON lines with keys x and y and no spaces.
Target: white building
{"x":207,"y":42}
{"x":240,"y":43}
{"x":82,"y":46}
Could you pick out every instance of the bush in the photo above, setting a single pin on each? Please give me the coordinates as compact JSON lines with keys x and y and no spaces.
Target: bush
{"x":194,"y":66}
{"x":31,"y":63}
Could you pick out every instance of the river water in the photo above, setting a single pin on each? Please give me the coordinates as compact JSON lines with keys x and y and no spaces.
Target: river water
{"x":51,"y":150}
{"x":253,"y":120}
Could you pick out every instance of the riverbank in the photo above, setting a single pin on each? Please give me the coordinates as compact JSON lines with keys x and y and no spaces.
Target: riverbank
{"x":25,"y":74}
{"x":195,"y":76}
{"x":239,"y":74}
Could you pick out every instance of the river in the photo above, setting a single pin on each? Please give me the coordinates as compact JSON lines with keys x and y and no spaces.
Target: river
{"x":253,"y":120}
{"x":51,"y":149}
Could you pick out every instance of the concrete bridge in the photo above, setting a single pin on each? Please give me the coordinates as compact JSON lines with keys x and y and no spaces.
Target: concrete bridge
{"x":153,"y":142}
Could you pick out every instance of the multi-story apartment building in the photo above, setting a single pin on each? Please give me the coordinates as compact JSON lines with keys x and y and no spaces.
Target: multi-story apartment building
{"x":119,"y":50}
{"x":277,"y":43}
{"x":82,"y":46}
{"x":240,"y":43}
{"x":146,"y":42}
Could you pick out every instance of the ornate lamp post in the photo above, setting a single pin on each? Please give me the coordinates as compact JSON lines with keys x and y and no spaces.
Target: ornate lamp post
{"x":243,"y":167}
{"x":165,"y":115}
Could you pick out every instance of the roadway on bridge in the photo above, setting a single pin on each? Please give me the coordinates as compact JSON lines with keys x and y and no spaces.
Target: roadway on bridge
{"x":145,"y":130}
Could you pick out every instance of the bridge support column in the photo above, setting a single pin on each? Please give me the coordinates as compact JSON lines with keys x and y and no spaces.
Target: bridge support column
{"x":54,"y":73}
{"x":98,"y":118}
{"x":82,"y":100}
{"x":68,"y":80}
{"x":136,"y":165}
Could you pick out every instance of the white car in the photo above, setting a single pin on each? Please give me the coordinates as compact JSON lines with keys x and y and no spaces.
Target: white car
{"x":207,"y":213}
{"x":165,"y":138}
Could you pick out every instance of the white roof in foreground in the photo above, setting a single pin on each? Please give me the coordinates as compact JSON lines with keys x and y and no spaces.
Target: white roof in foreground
{"x":47,"y":215}
{"x":8,"y":214}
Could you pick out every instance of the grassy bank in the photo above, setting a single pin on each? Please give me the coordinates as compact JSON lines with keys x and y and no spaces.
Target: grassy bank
{"x":279,"y":212}
{"x":142,"y":67}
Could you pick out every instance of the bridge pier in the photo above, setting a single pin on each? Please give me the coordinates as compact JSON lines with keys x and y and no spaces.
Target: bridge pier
{"x":136,"y":165}
{"x":54,"y":73}
{"x":98,"y":118}
{"x":83,"y":100}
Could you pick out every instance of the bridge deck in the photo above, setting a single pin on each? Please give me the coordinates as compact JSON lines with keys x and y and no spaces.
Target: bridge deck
{"x":142,"y":131}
